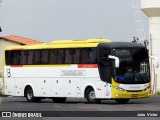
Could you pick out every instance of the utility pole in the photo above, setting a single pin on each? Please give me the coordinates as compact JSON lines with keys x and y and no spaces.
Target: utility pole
{"x":0,"y":5}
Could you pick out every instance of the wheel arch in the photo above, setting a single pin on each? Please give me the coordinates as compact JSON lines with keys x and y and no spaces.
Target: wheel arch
{"x":25,"y":88}
{"x":87,"y":87}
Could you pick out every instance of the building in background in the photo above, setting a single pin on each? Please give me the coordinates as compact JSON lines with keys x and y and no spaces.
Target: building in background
{"x":13,"y":41}
{"x":152,"y":9}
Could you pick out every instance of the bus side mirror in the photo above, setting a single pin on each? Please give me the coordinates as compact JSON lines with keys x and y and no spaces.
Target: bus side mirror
{"x":116,"y":60}
{"x":156,"y":61}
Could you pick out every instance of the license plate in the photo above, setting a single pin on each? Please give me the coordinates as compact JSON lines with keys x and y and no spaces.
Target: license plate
{"x":134,"y":95}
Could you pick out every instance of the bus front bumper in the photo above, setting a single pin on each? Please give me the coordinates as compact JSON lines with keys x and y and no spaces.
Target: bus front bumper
{"x":125,"y":94}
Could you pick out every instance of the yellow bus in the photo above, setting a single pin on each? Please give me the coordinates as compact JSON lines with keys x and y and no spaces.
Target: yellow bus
{"x":95,"y":69}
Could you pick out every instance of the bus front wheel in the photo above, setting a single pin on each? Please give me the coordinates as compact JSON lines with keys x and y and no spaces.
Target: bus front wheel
{"x":30,"y":96}
{"x":90,"y":96}
{"x":121,"y":101}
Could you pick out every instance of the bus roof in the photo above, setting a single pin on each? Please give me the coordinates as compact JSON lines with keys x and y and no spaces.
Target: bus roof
{"x":62,"y":44}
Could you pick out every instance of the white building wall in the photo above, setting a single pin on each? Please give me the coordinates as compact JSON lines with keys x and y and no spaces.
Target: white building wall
{"x":152,"y":9}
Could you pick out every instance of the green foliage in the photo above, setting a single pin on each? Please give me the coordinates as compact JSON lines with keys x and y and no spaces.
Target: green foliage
{"x":144,"y":42}
{"x":1,"y":94}
{"x":158,"y":93}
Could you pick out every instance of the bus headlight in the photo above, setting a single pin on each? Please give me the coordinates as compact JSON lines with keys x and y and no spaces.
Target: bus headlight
{"x":147,"y":88}
{"x":119,"y":88}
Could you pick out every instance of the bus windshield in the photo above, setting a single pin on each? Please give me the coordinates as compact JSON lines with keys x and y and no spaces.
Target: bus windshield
{"x":134,"y":66}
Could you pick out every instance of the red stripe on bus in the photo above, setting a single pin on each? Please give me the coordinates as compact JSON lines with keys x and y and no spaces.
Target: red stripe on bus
{"x":87,"y":65}
{"x":16,"y":65}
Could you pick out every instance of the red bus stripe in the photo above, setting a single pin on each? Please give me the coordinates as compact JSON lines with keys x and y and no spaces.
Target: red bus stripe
{"x":87,"y":65}
{"x":16,"y":65}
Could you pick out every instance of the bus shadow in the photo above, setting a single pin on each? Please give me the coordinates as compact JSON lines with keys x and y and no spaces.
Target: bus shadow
{"x":75,"y":101}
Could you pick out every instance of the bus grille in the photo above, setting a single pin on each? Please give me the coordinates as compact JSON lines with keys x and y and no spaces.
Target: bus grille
{"x":134,"y":90}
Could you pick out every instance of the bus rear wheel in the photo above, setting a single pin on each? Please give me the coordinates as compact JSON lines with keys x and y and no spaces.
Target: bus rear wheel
{"x":59,"y":99}
{"x":121,"y":101}
{"x":30,"y":96}
{"x":90,"y":96}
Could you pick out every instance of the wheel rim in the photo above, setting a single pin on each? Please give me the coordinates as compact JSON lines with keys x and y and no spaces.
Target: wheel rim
{"x":92,"y":95}
{"x":30,"y":94}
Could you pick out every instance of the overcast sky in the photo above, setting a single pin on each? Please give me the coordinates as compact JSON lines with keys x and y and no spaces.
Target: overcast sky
{"x":48,"y":20}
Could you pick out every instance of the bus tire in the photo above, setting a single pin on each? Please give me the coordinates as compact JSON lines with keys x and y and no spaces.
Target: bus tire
{"x":121,"y":101}
{"x":30,"y":95}
{"x":59,"y":99}
{"x":90,"y":96}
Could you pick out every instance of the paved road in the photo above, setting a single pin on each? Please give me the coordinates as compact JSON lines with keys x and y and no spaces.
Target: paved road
{"x":20,"y":104}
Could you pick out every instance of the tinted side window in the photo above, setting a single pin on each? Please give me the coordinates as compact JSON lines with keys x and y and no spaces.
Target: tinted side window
{"x":68,"y":56}
{"x":37,"y":56}
{"x":16,"y":58}
{"x":44,"y":57}
{"x":8,"y":56}
{"x":83,"y":56}
{"x":91,"y":56}
{"x":76,"y":56}
{"x":53,"y":56}
{"x":13,"y":57}
{"x":88,"y":56}
{"x":23,"y":57}
{"x":61,"y":57}
{"x":29,"y":57}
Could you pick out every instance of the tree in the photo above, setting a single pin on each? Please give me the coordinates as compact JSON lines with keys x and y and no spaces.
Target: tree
{"x":135,"y":40}
{"x":0,"y":2}
{"x":144,"y":42}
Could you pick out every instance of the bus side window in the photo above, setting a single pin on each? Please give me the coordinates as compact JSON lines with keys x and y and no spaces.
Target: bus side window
{"x":91,"y":56}
{"x":23,"y":57}
{"x":8,"y":56}
{"x":68,"y":56}
{"x":16,"y":57}
{"x":36,"y":57}
{"x":53,"y":56}
{"x":83,"y":56}
{"x":30,"y":57}
{"x":44,"y":57}
{"x":76,"y":56}
{"x":61,"y":56}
